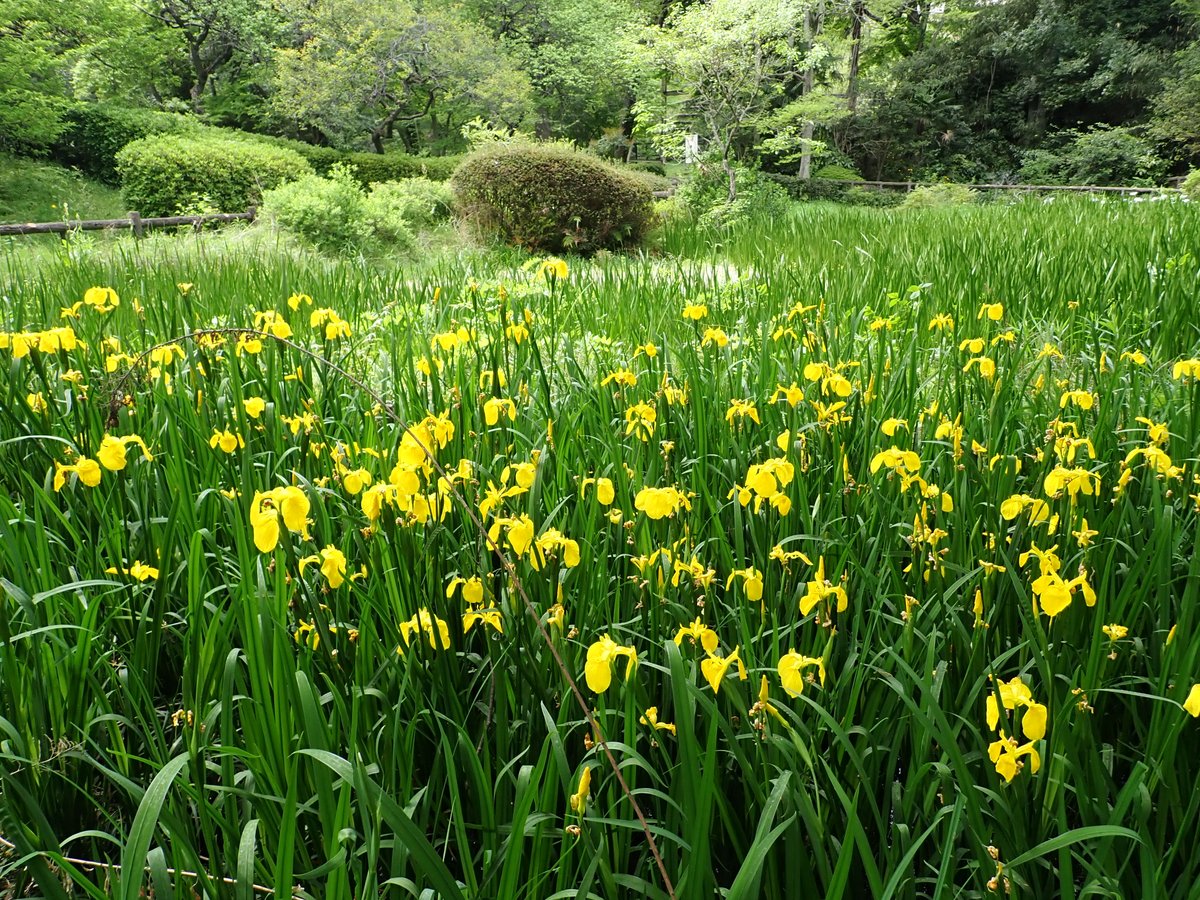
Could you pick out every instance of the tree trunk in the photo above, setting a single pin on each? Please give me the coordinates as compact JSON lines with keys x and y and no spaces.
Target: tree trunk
{"x":857,"y":14}
{"x":918,"y":18}
{"x":813,"y":20}
{"x":806,"y":135}
{"x":201,"y":80}
{"x":731,"y":172}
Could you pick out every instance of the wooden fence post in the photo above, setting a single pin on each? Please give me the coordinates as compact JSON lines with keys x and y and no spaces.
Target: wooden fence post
{"x":135,"y":220}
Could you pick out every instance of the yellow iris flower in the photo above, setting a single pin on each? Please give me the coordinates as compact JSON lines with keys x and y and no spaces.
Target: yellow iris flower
{"x":791,"y":671}
{"x":600,"y":659}
{"x":267,"y":509}
{"x":333,"y":565}
{"x":87,"y":470}
{"x":715,"y":668}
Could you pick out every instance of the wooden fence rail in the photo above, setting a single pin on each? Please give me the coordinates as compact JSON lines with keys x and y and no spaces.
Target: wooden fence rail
{"x":909,"y":185}
{"x":133,"y":221}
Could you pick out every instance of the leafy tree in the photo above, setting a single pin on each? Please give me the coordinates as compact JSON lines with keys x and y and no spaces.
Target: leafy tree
{"x":212,"y":32}
{"x":364,"y":67}
{"x":38,"y":41}
{"x":723,"y":66}
{"x":987,"y":81}
{"x":132,"y":58}
{"x":571,"y":51}
{"x":1176,"y":119}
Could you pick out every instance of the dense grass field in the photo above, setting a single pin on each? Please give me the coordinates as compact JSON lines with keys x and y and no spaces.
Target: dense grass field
{"x":850,"y":555}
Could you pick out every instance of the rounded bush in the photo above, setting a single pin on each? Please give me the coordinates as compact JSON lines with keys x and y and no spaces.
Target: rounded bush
{"x":834,"y":172}
{"x":160,"y":175}
{"x":551,"y":198}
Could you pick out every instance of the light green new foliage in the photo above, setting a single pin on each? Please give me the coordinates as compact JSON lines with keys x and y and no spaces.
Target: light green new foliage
{"x":416,"y":202}
{"x":327,"y":212}
{"x":936,"y":195}
{"x":254,"y":714}
{"x":1191,"y":185}
{"x":336,"y":214}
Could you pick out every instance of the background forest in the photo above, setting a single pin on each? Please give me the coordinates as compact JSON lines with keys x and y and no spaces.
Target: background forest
{"x":1036,"y":91}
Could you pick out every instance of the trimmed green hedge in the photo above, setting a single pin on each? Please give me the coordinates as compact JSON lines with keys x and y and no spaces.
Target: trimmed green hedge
{"x":375,"y":167}
{"x":369,"y":168}
{"x":95,"y":132}
{"x":834,"y":172}
{"x":163,"y":174}
{"x":551,"y":198}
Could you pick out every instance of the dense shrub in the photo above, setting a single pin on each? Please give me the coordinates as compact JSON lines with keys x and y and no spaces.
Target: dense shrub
{"x":1113,"y":156}
{"x":336,"y":214}
{"x":327,"y":212}
{"x":706,"y":196}
{"x":162,"y":174}
{"x":1103,"y":156}
{"x":613,"y":147}
{"x":551,"y":198}
{"x":653,"y":166}
{"x":1191,"y":185}
{"x":95,"y":132}
{"x":937,"y":195}
{"x":838,"y":184}
{"x":874,"y":197}
{"x":385,"y":221}
{"x":1042,"y":166}
{"x":415,"y":201}
{"x":812,"y":188}
{"x":670,"y":210}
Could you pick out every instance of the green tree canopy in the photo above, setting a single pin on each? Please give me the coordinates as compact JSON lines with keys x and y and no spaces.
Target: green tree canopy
{"x":365,"y":66}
